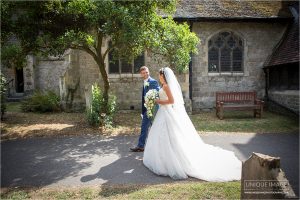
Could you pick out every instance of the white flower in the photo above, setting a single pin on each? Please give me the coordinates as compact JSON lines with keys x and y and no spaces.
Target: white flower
{"x":150,"y":97}
{"x":146,"y":84}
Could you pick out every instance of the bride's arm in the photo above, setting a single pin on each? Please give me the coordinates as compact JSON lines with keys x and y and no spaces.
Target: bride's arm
{"x":170,"y":99}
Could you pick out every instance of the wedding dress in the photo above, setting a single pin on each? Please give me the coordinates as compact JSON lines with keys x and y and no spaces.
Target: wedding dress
{"x":175,"y":149}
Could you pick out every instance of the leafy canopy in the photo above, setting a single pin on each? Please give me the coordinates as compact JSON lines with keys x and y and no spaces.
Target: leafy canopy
{"x":51,"y":27}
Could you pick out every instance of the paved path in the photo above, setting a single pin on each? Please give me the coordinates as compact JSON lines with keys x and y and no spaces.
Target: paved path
{"x":90,"y":160}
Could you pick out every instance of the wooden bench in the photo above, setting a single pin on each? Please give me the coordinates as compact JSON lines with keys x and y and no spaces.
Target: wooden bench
{"x":238,"y":101}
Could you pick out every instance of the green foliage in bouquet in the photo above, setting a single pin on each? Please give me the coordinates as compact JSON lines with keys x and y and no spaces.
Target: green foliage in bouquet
{"x":96,"y":114}
{"x":40,"y":101}
{"x":150,"y":104}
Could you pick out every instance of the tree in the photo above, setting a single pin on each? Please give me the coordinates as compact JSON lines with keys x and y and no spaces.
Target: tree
{"x":51,"y":27}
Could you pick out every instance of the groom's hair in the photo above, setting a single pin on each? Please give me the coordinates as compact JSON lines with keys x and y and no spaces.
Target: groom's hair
{"x":144,"y":68}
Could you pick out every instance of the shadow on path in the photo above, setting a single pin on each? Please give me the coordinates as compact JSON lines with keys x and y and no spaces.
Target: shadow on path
{"x":73,"y":161}
{"x":99,"y":160}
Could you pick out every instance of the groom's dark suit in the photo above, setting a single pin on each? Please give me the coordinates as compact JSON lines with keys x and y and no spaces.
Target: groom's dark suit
{"x":152,"y":84}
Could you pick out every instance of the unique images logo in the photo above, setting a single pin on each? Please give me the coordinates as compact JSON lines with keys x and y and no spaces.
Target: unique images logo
{"x":265,"y":186}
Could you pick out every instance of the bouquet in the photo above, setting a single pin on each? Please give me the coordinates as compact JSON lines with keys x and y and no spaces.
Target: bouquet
{"x":150,"y":104}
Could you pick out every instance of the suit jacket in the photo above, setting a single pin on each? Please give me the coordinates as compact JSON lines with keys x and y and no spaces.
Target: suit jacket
{"x":153,"y":84}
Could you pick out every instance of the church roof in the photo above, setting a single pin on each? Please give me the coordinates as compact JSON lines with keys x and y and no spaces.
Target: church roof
{"x":288,"y":49}
{"x":231,"y":9}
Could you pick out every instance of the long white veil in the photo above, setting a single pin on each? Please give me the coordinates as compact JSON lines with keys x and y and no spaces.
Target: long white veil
{"x":174,"y":86}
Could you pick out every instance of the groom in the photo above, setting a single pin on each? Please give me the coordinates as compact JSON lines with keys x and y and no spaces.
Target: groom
{"x":149,"y":83}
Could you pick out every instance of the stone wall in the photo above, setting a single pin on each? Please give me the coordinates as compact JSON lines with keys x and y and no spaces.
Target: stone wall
{"x":47,"y":72}
{"x":126,"y":87}
{"x":259,"y":40}
{"x":286,"y":98}
{"x":28,"y":71}
{"x":78,"y":66}
{"x":71,"y":81}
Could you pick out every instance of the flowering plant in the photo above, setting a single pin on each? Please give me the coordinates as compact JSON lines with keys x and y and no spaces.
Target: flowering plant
{"x":150,"y":97}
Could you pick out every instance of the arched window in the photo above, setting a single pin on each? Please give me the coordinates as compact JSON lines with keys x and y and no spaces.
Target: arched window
{"x":225,"y":53}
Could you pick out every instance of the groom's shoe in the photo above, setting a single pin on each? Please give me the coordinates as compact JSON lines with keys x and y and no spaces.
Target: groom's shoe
{"x":137,"y":149}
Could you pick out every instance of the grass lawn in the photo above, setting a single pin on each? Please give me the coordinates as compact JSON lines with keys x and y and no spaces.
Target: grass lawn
{"x":243,"y":121}
{"x":184,"y":190}
{"x":21,"y":125}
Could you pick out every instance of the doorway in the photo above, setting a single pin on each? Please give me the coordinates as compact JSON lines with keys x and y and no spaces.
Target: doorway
{"x":19,"y":77}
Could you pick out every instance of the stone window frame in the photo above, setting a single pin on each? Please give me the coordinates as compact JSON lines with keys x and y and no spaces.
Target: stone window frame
{"x":120,"y":74}
{"x":245,"y":50}
{"x":132,"y":67}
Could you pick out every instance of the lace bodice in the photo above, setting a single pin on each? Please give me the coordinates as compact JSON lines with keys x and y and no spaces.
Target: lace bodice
{"x":162,"y":94}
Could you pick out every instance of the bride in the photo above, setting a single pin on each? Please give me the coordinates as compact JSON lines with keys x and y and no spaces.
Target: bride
{"x":175,"y":149}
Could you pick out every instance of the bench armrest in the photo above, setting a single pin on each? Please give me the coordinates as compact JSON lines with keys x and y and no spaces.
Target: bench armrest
{"x":219,"y":103}
{"x":259,"y":102}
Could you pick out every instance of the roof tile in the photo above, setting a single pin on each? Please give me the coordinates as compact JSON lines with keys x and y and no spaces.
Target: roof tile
{"x":288,"y":49}
{"x":232,"y":9}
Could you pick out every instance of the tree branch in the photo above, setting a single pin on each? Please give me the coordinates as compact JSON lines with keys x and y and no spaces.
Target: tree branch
{"x":109,"y":49}
{"x":86,"y":49}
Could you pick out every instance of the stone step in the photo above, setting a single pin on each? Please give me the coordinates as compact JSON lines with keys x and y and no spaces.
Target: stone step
{"x":21,"y":94}
{"x":15,"y":97}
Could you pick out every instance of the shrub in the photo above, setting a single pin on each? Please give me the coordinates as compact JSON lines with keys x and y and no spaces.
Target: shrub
{"x":94,"y":114}
{"x":46,"y":101}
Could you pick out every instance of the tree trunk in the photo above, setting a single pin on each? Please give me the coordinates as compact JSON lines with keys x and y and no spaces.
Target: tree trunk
{"x":106,"y":87}
{"x":99,"y":58}
{"x":100,"y":61}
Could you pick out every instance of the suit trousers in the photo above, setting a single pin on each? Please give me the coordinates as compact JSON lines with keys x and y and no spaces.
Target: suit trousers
{"x":146,"y":122}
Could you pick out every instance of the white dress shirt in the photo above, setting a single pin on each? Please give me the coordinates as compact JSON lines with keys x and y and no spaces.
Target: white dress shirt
{"x":145,"y":81}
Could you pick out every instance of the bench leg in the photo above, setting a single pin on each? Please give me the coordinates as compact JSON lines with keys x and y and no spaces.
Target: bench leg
{"x":261,"y":111}
{"x":221,"y":113}
{"x":257,"y":112}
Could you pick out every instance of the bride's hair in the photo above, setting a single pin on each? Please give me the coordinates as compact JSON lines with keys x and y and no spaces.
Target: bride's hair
{"x":162,"y":72}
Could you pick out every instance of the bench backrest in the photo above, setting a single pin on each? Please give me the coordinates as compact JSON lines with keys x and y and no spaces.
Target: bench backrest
{"x":235,"y":97}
